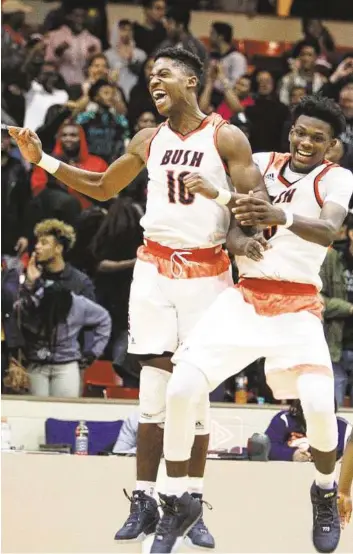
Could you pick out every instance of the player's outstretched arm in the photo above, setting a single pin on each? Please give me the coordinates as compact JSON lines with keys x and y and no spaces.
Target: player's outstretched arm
{"x":251,"y":211}
{"x":100,"y":186}
{"x":345,"y":483}
{"x":240,"y":244}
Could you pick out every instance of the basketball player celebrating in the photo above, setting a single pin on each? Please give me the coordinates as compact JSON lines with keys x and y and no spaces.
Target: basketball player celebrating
{"x":181,"y":268}
{"x":274,"y":313}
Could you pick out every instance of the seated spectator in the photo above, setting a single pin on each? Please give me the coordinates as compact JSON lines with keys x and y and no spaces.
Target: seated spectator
{"x":226,"y":103}
{"x":287,"y":433}
{"x":11,"y":338}
{"x":52,"y":202}
{"x":137,"y":189}
{"x":303,"y":72}
{"x":42,"y":94}
{"x":337,"y":291}
{"x":71,"y":45}
{"x":296,"y":94}
{"x":127,"y":438}
{"x":51,"y":319}
{"x":105,"y":129}
{"x":314,"y":30}
{"x":71,"y":148}
{"x":54,"y":241}
{"x":149,"y":35}
{"x":234,"y":63}
{"x":178,"y":34}
{"x":346,"y":104}
{"x":125,"y":58}
{"x":15,"y":196}
{"x":87,"y":226}
{"x":267,"y":116}
{"x":114,"y":249}
{"x":342,"y":76}
{"x":140,"y":98}
{"x":13,"y":43}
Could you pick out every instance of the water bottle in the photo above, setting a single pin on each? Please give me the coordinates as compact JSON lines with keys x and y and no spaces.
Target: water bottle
{"x":241,"y":389}
{"x":5,"y":434}
{"x":81,"y":439}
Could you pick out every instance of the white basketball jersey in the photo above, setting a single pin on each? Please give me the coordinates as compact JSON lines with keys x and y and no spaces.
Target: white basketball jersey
{"x":292,"y":258}
{"x":174,"y":217}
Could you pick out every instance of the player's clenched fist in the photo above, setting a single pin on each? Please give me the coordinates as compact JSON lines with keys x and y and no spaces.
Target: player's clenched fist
{"x":197,"y":184}
{"x":28,"y":142}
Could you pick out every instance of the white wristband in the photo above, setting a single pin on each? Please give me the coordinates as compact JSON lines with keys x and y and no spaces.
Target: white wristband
{"x":289,"y":219}
{"x":50,"y":164}
{"x":224,"y":197}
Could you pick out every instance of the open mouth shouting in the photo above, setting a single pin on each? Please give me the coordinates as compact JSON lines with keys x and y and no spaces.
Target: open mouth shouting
{"x":159,"y":96}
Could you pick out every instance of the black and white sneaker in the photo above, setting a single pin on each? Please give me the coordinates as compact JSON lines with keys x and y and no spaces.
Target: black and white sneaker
{"x":142,"y":520}
{"x":326,"y":521}
{"x":179,"y":515}
{"x":199,"y":535}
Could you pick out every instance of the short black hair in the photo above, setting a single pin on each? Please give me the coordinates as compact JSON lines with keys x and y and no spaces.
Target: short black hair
{"x":124,"y":23}
{"x":148,"y":3}
{"x":323,"y":108}
{"x":95,"y":88}
{"x":179,"y":15}
{"x":224,"y":30}
{"x":184,"y":58}
{"x":312,"y":43}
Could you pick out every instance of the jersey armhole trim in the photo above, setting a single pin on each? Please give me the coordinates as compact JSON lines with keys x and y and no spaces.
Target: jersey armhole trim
{"x":271,"y":160}
{"x":153,"y":136}
{"x":317,"y":180}
{"x":215,"y":135}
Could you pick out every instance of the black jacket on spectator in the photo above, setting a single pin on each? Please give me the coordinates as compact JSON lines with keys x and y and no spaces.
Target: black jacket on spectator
{"x":149,"y":39}
{"x":74,"y":280}
{"x":15,"y":196}
{"x":267,"y":118}
{"x":53,"y":202}
{"x":10,"y":285}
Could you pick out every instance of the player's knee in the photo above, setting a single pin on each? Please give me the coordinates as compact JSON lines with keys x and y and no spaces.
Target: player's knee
{"x":203,"y":416}
{"x":316,"y":393}
{"x":187,"y":384}
{"x":153,"y":387}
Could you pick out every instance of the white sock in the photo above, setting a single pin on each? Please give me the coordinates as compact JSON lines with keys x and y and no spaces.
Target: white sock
{"x":176,"y":485}
{"x":195,"y":485}
{"x":147,"y":486}
{"x":325,"y":481}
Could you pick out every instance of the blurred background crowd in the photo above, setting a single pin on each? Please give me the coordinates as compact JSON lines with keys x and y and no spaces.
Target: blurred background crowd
{"x":80,"y":81}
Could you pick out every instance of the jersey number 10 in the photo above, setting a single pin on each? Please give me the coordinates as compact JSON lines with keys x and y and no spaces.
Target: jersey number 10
{"x":177,"y":192}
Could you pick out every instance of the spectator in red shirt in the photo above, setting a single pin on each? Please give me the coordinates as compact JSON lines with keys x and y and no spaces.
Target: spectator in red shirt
{"x":71,"y":147}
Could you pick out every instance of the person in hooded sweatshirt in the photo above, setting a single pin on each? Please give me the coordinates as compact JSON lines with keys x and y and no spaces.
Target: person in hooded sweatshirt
{"x":71,"y":147}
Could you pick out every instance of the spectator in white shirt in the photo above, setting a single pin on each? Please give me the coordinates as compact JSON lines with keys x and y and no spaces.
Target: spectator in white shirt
{"x":303,"y":72}
{"x":41,"y":95}
{"x":125,"y":57}
{"x":234,"y":63}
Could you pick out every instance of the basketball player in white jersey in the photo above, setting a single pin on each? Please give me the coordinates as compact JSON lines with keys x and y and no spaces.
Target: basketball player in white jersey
{"x":274,"y":312}
{"x":181,"y":268}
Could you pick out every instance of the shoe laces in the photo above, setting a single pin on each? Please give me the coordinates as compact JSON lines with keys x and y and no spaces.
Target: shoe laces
{"x":325,"y":512}
{"x":138,"y":502}
{"x":200,"y":524}
{"x":170,"y":511}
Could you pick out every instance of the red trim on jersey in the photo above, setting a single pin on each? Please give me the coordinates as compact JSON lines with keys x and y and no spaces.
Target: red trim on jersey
{"x":273,"y":286}
{"x":318,"y":179}
{"x":148,"y":147}
{"x":272,"y":157}
{"x":202,"y":125}
{"x":220,"y":124}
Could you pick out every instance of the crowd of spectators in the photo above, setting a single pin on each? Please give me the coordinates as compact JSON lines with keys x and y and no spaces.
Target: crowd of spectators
{"x":85,"y":93}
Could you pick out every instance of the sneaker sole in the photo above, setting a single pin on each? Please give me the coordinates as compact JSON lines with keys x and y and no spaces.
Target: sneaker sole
{"x":140,"y":538}
{"x":188,"y":542}
{"x":180,"y":539}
